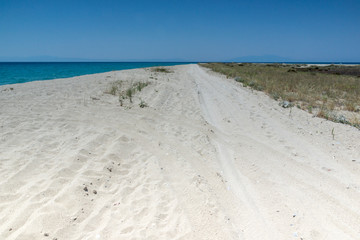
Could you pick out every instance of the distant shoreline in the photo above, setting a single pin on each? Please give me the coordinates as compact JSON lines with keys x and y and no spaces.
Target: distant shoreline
{"x":21,"y":72}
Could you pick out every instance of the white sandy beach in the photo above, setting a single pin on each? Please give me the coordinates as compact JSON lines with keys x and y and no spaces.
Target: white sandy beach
{"x":208,"y":159}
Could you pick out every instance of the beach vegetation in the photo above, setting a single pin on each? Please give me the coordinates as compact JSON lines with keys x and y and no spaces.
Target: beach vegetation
{"x":143,"y":104}
{"x":113,"y":90}
{"x":239,"y":79}
{"x":126,"y":90}
{"x":141,"y":85}
{"x":320,"y":90}
{"x":129,"y":93}
{"x":161,"y":70}
{"x":121,"y":101}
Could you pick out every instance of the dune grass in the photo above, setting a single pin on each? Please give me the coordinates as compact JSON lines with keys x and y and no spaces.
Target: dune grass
{"x":119,"y":89}
{"x":114,"y":88}
{"x":313,"y":91}
{"x":161,"y":70}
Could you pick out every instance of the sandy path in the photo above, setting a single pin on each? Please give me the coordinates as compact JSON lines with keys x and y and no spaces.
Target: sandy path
{"x":207,"y":159}
{"x":274,"y":170}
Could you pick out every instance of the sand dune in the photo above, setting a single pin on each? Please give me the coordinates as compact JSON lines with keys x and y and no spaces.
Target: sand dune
{"x":208,"y":159}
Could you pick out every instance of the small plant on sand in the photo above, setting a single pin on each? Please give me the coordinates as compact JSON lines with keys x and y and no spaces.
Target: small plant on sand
{"x":161,"y":70}
{"x":275,"y":95}
{"x":323,"y":114}
{"x":143,"y":104}
{"x":129,"y":93}
{"x":239,"y":79}
{"x":113,"y":90}
{"x":310,"y":109}
{"x":141,"y":85}
{"x":355,"y":122}
{"x":121,"y":100}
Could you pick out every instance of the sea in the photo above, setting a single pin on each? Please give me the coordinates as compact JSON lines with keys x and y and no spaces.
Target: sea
{"x":21,"y":72}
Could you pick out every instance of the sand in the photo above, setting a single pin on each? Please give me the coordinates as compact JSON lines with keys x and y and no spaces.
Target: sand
{"x":207,"y":159}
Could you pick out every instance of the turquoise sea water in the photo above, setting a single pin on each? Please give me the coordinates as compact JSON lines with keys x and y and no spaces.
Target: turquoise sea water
{"x":16,"y":72}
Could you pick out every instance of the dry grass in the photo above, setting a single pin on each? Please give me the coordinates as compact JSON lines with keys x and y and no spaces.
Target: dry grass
{"x":114,"y":88}
{"x":161,"y":70}
{"x":311,"y":91}
{"x":125,"y":91}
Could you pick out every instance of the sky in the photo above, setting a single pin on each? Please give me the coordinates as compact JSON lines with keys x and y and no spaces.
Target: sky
{"x":188,"y":30}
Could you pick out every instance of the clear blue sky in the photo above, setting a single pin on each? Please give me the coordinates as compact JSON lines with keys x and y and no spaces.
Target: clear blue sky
{"x":310,"y":30}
